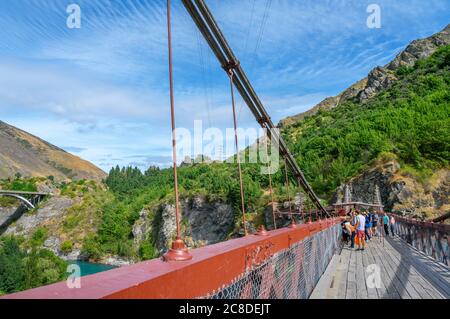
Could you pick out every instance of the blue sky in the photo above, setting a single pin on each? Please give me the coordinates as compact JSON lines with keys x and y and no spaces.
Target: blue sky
{"x":101,"y":92}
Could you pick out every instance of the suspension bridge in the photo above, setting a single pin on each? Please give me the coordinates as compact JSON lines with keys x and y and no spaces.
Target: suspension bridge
{"x":306,"y":259}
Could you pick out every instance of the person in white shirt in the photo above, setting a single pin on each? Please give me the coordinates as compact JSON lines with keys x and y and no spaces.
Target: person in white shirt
{"x":360,"y":230}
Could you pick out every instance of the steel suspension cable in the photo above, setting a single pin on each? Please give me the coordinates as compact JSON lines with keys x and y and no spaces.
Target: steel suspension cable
{"x":261,"y":31}
{"x":270,"y":183}
{"x":172,"y":117}
{"x":206,"y":23}
{"x":238,"y":157}
{"x":178,"y":251}
{"x":288,"y":191}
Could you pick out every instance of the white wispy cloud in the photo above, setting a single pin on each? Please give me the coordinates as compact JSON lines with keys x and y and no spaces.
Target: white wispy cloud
{"x":103,"y":89}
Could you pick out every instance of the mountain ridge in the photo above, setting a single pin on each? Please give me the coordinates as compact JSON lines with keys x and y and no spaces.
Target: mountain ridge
{"x":379,"y":77}
{"x":31,"y":156}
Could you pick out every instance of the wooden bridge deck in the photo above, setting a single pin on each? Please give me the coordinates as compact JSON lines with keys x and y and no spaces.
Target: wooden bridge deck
{"x":405,"y":273}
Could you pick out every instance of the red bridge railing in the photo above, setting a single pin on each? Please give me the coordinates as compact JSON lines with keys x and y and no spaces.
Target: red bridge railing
{"x":286,"y":263}
{"x":429,"y":238}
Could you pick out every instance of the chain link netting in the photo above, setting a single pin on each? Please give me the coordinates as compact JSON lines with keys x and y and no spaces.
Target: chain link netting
{"x":289,"y":274}
{"x":431,"y":241}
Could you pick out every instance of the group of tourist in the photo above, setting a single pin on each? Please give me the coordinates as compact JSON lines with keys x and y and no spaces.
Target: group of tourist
{"x":362,"y":226}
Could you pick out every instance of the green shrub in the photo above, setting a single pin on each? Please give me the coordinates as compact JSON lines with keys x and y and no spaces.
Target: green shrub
{"x":67,"y":246}
{"x":148,"y":251}
{"x":39,"y":237}
{"x":92,"y":248}
{"x":20,"y":270}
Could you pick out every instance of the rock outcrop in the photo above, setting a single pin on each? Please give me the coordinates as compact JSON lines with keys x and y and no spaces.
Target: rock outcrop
{"x":202,"y":222}
{"x":400,"y":191}
{"x":379,"y":79}
{"x":6,"y":213}
{"x":143,"y":226}
{"x":54,"y":208}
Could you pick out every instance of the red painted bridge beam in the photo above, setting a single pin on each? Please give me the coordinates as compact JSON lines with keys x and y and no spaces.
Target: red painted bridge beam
{"x":211,"y":268}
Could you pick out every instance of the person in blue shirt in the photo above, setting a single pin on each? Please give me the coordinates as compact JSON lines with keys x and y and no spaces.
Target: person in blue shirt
{"x":386,"y":224}
{"x":368,"y":226}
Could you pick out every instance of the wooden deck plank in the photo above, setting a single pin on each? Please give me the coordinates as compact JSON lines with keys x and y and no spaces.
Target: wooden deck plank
{"x":441,"y":271}
{"x":422,"y":285}
{"x":371,"y":292}
{"x":398,"y":279}
{"x":361,"y":287}
{"x":405,"y":273}
{"x":380,"y":291}
{"x":438,"y":279}
{"x":342,"y":268}
{"x":386,"y":276}
{"x":383,"y":292}
{"x":351,"y":278}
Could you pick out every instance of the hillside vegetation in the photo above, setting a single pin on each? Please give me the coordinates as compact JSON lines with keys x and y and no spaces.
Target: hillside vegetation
{"x":25,"y":265}
{"x":134,"y":190}
{"x":409,"y":121}
{"x":406,"y":121}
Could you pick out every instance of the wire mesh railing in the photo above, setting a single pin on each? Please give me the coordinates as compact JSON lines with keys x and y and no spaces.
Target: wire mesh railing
{"x":291,"y":273}
{"x":430,"y":238}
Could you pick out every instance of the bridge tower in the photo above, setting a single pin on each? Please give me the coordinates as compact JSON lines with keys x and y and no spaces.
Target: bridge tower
{"x":377,"y":197}
{"x":348,"y":193}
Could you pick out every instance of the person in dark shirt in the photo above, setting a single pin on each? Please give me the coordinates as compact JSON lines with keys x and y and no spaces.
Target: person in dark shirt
{"x":367,"y":226}
{"x":375,"y":218}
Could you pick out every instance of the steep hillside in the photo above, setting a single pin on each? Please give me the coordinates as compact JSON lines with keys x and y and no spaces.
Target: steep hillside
{"x":406,"y":121}
{"x":28,"y":155}
{"x":380,"y":77}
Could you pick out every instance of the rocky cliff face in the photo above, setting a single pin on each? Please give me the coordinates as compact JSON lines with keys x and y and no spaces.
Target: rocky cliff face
{"x":400,"y":191}
{"x":50,"y":215}
{"x":380,"y":77}
{"x":6,"y":214}
{"x":203,"y":223}
{"x":52,"y":211}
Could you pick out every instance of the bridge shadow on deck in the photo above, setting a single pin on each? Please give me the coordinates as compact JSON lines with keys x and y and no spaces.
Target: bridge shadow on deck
{"x":437,"y":274}
{"x":399,"y":280}
{"x":405,"y":273}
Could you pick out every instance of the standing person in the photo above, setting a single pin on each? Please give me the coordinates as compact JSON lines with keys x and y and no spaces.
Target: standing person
{"x":445,"y":249}
{"x":345,"y":233}
{"x":375,"y":224}
{"x":360,"y":230}
{"x":386,"y":224}
{"x":353,"y":217}
{"x":350,"y":229}
{"x":370,"y":216}
{"x":367,"y":226}
{"x":392,"y":224}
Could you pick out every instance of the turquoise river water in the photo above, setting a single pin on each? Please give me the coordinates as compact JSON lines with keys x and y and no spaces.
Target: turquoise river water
{"x":88,"y":268}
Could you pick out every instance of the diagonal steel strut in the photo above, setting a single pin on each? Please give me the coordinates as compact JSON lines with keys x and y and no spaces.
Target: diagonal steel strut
{"x":205,"y":22}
